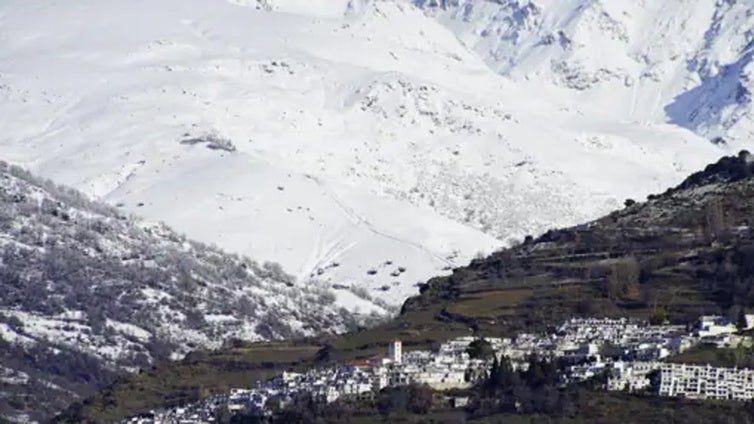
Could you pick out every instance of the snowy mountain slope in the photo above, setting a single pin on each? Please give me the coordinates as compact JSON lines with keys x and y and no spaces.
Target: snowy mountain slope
{"x":120,"y":146}
{"x":333,"y":137}
{"x":684,"y":62}
{"x":89,"y":292}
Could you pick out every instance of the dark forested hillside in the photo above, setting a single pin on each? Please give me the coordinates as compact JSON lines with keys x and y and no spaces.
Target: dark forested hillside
{"x":88,"y":293}
{"x":686,"y":252}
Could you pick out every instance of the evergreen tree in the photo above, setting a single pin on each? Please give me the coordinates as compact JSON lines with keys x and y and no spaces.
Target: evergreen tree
{"x":480,"y":349}
{"x":492,"y":382}
{"x":741,"y":323}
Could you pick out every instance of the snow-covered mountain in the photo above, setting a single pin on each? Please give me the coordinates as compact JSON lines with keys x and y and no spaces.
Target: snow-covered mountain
{"x":88,"y":292}
{"x":685,"y":62}
{"x":371,"y":144}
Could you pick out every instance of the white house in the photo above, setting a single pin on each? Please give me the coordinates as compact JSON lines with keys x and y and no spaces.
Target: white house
{"x":631,"y":376}
{"x":714,"y":325}
{"x":749,"y":321}
{"x":395,"y":351}
{"x":706,"y":382}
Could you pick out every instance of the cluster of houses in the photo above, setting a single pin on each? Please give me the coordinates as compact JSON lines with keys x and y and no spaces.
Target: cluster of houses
{"x":686,"y":380}
{"x":449,"y":368}
{"x":631,"y":350}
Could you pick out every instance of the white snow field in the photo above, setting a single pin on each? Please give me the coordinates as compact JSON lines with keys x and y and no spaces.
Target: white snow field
{"x":371,"y":144}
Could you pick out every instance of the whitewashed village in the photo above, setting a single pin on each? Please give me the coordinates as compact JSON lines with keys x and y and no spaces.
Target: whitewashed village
{"x":626,"y":350}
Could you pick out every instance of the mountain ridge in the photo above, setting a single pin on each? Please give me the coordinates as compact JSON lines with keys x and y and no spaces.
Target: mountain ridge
{"x":698,"y":54}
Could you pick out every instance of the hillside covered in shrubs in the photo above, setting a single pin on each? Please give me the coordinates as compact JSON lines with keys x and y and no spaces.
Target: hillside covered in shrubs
{"x":89,"y":293}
